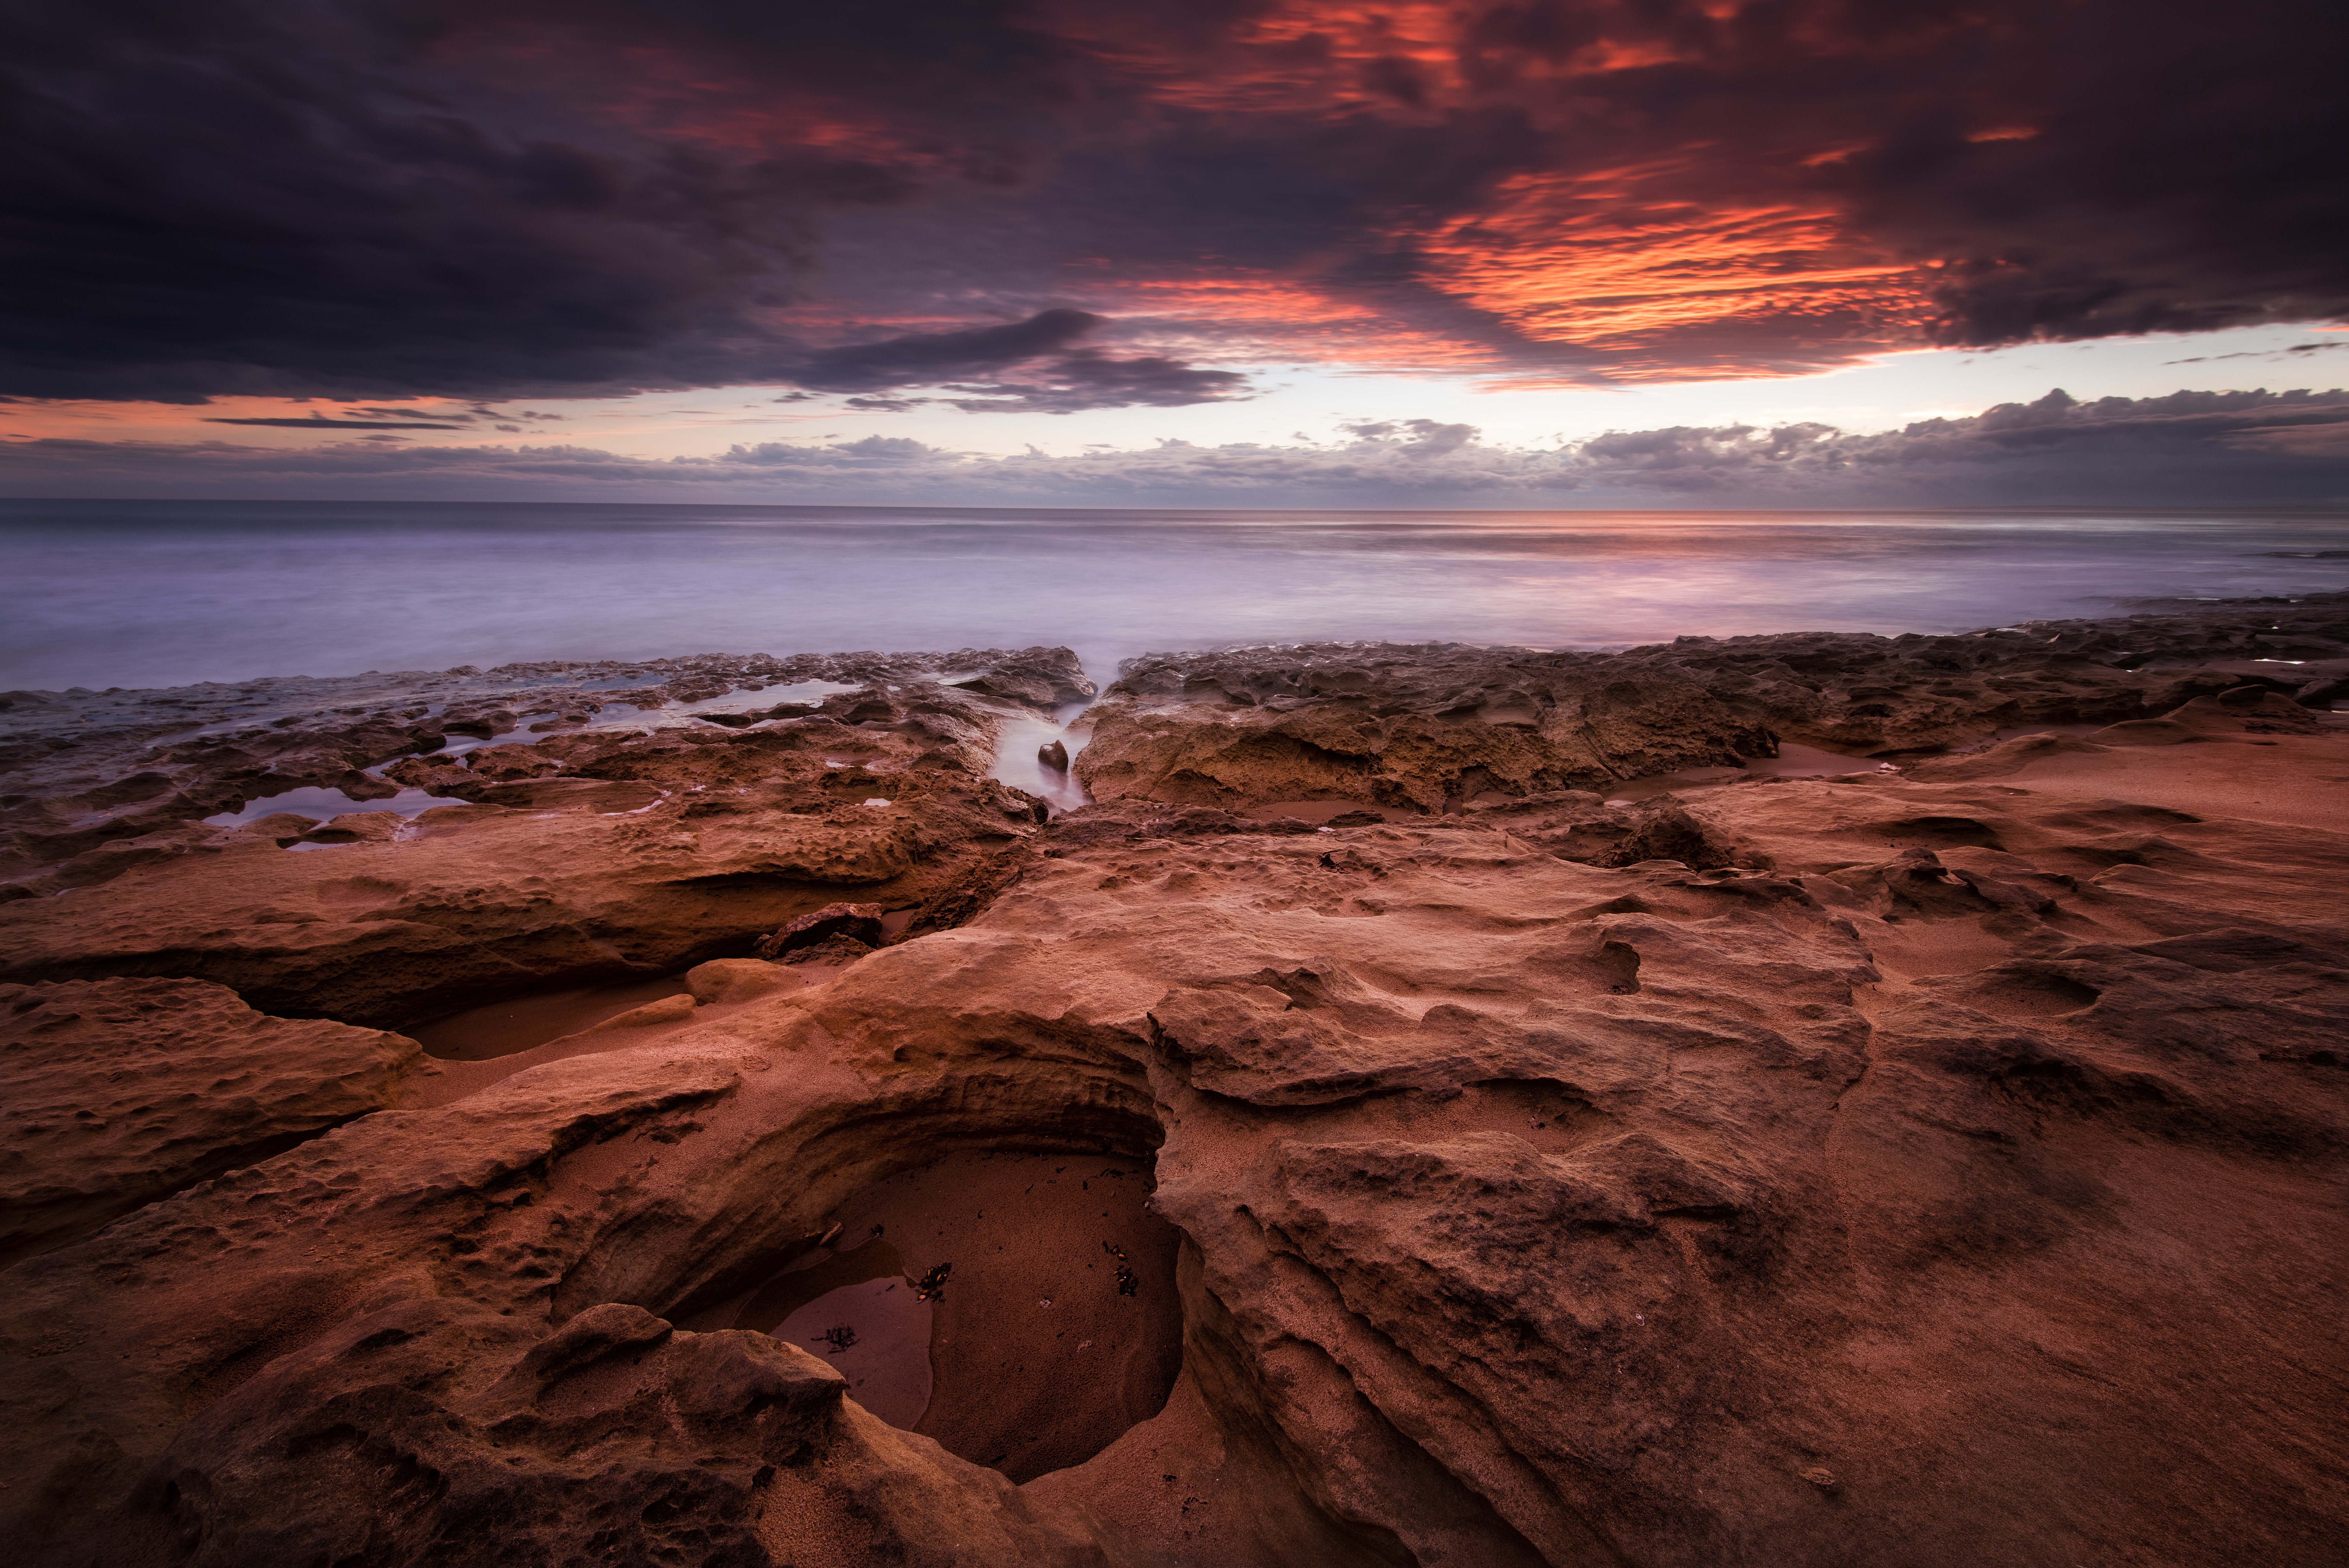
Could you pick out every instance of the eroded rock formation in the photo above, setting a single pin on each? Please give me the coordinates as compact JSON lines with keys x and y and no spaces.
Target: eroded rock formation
{"x":593,"y":854}
{"x":1413,"y":727}
{"x":1933,"y":1167}
{"x":100,"y":782}
{"x":124,"y":1091}
{"x":1422,"y":726}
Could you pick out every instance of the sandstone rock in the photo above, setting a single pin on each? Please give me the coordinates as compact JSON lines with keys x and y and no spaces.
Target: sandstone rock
{"x":121,"y":1091}
{"x":615,"y":1437}
{"x":1133,"y":818}
{"x":90,"y":768}
{"x":357,"y":827}
{"x":1053,"y":755}
{"x":732,"y":979}
{"x":1043,"y":678}
{"x":664,"y":852}
{"x":1995,"y":761}
{"x":1927,"y":1168}
{"x":1916,"y":693}
{"x":667,"y":1010}
{"x":835,"y":949}
{"x":2245,"y":710}
{"x":858,"y":922}
{"x":1395,"y":726}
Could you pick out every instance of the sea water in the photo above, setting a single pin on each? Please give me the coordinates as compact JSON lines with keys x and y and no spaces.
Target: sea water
{"x":144,"y":593}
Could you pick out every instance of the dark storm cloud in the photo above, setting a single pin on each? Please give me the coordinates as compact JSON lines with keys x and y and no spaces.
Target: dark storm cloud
{"x":1038,"y":365}
{"x":396,"y":198}
{"x":932,"y":357}
{"x":2183,"y":173}
{"x":1089,"y":379}
{"x":1028,"y":368}
{"x":252,"y":199}
{"x":2227,"y":449}
{"x":366,"y":198}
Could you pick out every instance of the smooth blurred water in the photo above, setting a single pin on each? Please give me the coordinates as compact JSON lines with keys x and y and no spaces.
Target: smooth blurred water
{"x":164,"y":592}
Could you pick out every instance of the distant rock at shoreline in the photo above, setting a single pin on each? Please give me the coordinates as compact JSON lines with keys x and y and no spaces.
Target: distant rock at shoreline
{"x":1423,"y":725}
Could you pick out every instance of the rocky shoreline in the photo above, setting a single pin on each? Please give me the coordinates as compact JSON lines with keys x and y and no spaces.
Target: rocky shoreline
{"x":1379,"y":1128}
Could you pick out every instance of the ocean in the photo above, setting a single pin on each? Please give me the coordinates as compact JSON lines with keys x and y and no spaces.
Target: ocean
{"x":143,"y":594}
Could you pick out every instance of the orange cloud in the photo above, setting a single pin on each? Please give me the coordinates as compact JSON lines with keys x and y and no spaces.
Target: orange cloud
{"x":1260,"y":317}
{"x":1615,"y":263}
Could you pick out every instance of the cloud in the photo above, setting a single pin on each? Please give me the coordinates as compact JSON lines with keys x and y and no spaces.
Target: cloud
{"x":1059,"y":205}
{"x":1429,"y":437}
{"x":1088,"y":378}
{"x":926,"y":357}
{"x":1038,"y":365}
{"x":320,"y":423}
{"x":2259,"y":354}
{"x":2187,"y":447}
{"x":2201,"y":447}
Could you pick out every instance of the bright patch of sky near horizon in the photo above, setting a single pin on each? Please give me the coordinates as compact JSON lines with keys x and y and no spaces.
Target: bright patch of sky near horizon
{"x":1296,"y":403}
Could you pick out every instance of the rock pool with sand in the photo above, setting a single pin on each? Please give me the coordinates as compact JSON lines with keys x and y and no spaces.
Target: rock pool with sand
{"x":1823,"y":1098}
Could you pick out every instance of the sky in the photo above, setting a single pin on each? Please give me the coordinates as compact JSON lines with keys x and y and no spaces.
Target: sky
{"x":1254,"y":253}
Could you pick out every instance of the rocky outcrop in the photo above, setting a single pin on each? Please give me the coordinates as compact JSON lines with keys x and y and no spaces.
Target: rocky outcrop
{"x":99,"y":781}
{"x":854,"y":922}
{"x":120,"y":1091}
{"x":1422,"y":726}
{"x":731,"y":980}
{"x":1922,"y":1168}
{"x":441,"y":1432}
{"x":1906,"y":695}
{"x":1916,"y":693}
{"x":634,"y":854}
{"x":1043,"y":678}
{"x":1417,"y":727}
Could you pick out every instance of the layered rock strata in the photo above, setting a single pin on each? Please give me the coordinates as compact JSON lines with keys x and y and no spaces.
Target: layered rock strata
{"x":1925,"y":1168}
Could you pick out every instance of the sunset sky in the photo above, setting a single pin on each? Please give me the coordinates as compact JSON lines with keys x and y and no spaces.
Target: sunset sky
{"x":1199,"y":252}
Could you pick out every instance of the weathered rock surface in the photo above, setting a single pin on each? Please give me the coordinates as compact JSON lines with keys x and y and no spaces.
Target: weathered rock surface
{"x":99,"y":781}
{"x":1423,"y":726}
{"x":617,"y":1438}
{"x":857,"y":923}
{"x":649,"y":853}
{"x":732,"y":979}
{"x":1919,"y":1168}
{"x":119,"y":1092}
{"x":1399,"y":726}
